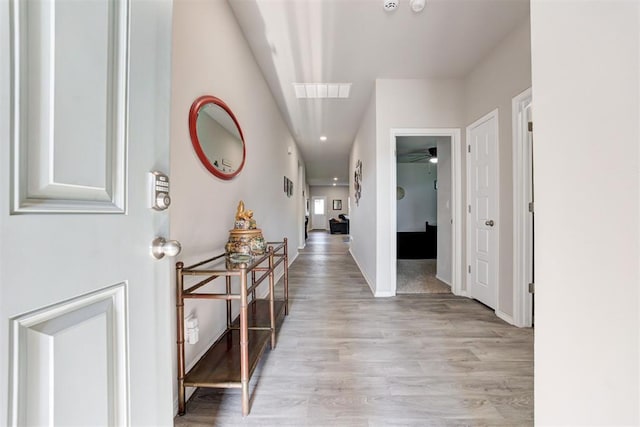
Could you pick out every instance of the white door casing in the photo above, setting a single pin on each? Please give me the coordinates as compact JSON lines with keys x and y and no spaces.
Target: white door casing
{"x":85,"y":311}
{"x":456,"y":204}
{"x":301,"y":206}
{"x":522,"y":217}
{"x":482,"y":209}
{"x":319,"y":221}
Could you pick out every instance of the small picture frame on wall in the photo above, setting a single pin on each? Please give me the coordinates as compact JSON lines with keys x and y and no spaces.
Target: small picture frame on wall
{"x":337,"y":205}
{"x":288,"y":187}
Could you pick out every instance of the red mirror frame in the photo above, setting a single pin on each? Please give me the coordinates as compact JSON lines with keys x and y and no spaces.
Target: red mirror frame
{"x":195,"y":141}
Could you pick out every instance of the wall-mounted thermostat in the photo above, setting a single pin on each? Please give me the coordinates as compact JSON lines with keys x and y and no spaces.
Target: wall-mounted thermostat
{"x":159,"y":184}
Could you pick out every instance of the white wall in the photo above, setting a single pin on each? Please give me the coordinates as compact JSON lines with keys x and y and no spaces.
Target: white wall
{"x":493,"y":83}
{"x":430,"y":103}
{"x":445,"y":214}
{"x":420,"y":202}
{"x":586,"y":101}
{"x":362,"y":224}
{"x":203,"y":206}
{"x":339,"y":192}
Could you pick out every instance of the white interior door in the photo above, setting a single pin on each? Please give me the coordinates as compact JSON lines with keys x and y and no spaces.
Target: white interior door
{"x":319,"y":213}
{"x":482,"y":210}
{"x":84,"y":310}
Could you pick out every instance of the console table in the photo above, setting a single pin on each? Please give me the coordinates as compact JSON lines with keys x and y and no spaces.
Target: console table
{"x":231,"y":360}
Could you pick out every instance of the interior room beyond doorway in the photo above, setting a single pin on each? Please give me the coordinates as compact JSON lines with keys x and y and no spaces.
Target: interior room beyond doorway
{"x":423,"y":214}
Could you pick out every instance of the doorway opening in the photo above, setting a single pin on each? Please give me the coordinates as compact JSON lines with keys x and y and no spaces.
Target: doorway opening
{"x":446,"y":257}
{"x":423,"y":214}
{"x":318,"y":213}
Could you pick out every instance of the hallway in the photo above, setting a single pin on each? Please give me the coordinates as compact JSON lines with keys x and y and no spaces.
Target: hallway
{"x":345,"y":358}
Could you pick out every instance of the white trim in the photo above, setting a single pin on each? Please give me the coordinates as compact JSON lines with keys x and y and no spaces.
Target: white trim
{"x":522,"y":218}
{"x":491,"y":115}
{"x":302,"y":207}
{"x":443,"y":281}
{"x":384,"y":294}
{"x":504,"y":316}
{"x":456,"y":203}
{"x":369,"y":282}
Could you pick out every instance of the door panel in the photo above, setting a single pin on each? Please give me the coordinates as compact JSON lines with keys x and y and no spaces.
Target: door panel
{"x":84,"y":89}
{"x":69,"y":106}
{"x":46,"y":365}
{"x":482,"y":137}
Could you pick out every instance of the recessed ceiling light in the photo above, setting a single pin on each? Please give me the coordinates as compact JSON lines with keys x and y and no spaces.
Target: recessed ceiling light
{"x":334,"y":184}
{"x":335,"y":178}
{"x":322,"y":90}
{"x":323,"y":138}
{"x":433,"y":160}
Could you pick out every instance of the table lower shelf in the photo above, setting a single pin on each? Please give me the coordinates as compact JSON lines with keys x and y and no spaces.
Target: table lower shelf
{"x":220,"y":366}
{"x":258,"y":314}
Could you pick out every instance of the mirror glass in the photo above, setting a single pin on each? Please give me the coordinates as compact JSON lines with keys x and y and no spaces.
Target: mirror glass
{"x":216,"y":137}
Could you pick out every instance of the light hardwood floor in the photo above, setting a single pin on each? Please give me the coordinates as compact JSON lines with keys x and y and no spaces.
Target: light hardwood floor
{"x":345,"y":358}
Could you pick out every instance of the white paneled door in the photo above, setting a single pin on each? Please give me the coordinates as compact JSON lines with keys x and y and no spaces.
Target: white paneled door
{"x":482,"y":209}
{"x":85,"y":314}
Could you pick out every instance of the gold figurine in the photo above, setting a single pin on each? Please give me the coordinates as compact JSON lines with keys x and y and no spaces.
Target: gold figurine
{"x":241,"y":214}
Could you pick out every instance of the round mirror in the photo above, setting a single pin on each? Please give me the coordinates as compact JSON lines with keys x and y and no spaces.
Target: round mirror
{"x":216,"y":136}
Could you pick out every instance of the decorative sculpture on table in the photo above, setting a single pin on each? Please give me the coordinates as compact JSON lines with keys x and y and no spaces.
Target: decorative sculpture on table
{"x":245,"y":240}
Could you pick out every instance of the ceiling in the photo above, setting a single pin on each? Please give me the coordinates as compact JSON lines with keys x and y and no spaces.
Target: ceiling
{"x":357,"y":41}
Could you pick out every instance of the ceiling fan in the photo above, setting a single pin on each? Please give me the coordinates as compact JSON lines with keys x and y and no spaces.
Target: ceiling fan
{"x":430,"y":154}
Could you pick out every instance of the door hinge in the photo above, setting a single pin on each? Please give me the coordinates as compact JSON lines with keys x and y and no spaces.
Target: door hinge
{"x":531,"y":288}
{"x":530,"y":126}
{"x":469,"y":269}
{"x":531,"y":207}
{"x":469,"y":148}
{"x":469,"y":208}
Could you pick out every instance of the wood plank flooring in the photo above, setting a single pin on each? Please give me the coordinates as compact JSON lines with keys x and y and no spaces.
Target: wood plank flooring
{"x":345,"y":358}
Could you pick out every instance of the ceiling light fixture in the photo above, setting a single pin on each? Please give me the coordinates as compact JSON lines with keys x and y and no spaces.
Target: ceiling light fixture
{"x":335,"y":178}
{"x":433,"y":160}
{"x":322,"y":90}
{"x":417,"y":5}
{"x":323,"y":138}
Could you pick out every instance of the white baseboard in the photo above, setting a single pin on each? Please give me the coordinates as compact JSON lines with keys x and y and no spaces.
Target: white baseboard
{"x":384,"y":294}
{"x":507,"y":318}
{"x":371,"y":287}
{"x":293,"y":258}
{"x":444,"y":281}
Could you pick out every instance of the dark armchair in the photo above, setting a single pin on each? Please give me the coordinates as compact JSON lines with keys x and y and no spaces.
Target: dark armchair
{"x":340,"y":225}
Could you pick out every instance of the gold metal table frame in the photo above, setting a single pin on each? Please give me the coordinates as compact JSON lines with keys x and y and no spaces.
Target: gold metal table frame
{"x":231,"y":360}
